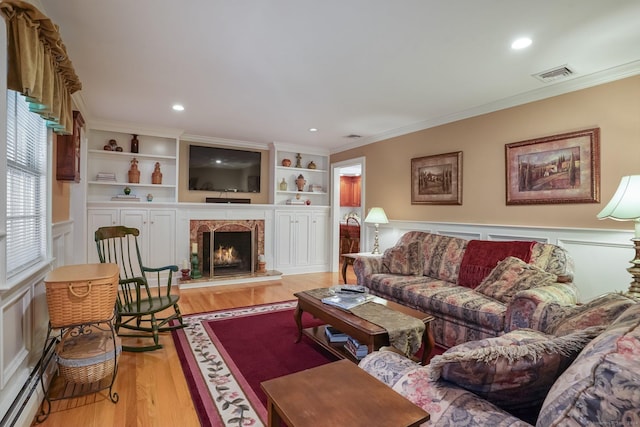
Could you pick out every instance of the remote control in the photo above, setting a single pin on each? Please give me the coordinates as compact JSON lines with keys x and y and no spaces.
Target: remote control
{"x":352,"y":288}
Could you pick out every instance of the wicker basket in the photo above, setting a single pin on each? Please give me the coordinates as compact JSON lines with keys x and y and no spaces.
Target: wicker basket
{"x":88,"y":357}
{"x":81,"y":294}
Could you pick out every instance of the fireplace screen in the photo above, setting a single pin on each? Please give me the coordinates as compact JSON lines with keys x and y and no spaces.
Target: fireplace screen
{"x":229,"y":252}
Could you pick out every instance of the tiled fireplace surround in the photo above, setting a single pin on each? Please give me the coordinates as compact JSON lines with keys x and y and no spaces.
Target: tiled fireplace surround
{"x":198,"y":228}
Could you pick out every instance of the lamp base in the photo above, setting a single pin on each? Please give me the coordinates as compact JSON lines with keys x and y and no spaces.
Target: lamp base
{"x":376,"y":245}
{"x":634,"y":287}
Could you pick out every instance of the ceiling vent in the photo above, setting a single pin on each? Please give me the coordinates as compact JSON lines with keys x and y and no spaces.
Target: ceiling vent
{"x":554,"y":74}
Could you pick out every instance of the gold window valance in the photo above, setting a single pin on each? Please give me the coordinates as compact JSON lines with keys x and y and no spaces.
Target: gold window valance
{"x":38,"y":64}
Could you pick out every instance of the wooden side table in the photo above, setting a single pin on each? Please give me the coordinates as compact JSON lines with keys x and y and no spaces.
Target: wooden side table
{"x":348,"y":259}
{"x":337,"y":394}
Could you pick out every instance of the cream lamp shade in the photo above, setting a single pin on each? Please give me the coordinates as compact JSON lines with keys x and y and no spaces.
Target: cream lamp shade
{"x":376,"y":216}
{"x":625,"y":206}
{"x":625,"y":203}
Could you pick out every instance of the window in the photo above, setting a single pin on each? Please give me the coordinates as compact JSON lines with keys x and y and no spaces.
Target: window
{"x":26,"y":185}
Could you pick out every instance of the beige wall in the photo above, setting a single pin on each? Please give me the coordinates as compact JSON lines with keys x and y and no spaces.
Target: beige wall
{"x":184,"y":195}
{"x":60,"y":193}
{"x":613,"y":107}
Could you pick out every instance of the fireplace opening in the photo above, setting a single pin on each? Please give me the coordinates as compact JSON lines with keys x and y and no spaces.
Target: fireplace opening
{"x":228,"y":253}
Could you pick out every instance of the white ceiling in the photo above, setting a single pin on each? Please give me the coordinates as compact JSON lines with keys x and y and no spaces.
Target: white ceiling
{"x":268,"y":70}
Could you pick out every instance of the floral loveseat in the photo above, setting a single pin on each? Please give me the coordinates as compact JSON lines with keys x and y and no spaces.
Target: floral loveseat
{"x":584,"y":371}
{"x":474,"y":288}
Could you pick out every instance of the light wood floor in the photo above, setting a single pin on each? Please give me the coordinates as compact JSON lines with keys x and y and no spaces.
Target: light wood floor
{"x":151,"y":385}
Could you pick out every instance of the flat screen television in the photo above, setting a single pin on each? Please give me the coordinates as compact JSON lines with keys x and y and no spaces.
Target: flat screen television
{"x":224,"y":169}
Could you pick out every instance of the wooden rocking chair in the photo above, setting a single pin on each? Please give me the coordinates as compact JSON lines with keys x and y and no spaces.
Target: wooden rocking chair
{"x":138,"y":306}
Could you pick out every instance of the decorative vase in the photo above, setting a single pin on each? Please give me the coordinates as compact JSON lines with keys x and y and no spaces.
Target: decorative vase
{"x":300,"y":182}
{"x":134,"y":144}
{"x":134,"y":173}
{"x":283,"y":185}
{"x":311,"y":165}
{"x":286,"y":162}
{"x":127,"y":191}
{"x":149,"y":197}
{"x":156,"y":176}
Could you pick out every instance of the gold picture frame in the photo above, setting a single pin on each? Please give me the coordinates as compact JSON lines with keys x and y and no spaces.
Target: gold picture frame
{"x":562,"y":168}
{"x":437,"y":180}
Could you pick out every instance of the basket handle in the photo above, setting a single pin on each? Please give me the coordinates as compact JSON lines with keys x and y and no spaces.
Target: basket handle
{"x":80,"y":296}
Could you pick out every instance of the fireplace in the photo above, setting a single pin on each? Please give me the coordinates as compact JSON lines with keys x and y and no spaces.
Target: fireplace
{"x":227,"y":247}
{"x":227,"y":252}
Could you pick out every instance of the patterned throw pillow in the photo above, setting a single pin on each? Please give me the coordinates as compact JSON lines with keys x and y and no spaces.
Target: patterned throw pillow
{"x":599,"y":311}
{"x":514,"y":371}
{"x":512,"y":275}
{"x":407,"y":260}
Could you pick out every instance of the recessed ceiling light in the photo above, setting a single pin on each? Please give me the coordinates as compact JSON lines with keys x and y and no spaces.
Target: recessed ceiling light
{"x":313,"y":130}
{"x":521,"y":43}
{"x":178,"y":107}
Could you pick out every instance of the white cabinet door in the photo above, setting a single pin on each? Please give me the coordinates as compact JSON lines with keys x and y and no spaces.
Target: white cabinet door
{"x":294,"y":241}
{"x":97,"y":218}
{"x":302,"y":238}
{"x":138,"y":218}
{"x":320,"y":238}
{"x":157,"y":238}
{"x":285,"y":221}
{"x":161,"y":238}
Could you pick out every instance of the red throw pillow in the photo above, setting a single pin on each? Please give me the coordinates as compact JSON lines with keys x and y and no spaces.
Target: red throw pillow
{"x":481,"y":257}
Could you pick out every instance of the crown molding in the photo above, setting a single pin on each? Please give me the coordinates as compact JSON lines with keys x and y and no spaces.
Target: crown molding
{"x":235,"y":143}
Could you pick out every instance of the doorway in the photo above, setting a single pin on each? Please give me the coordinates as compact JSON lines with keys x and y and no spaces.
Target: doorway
{"x":354,"y":171}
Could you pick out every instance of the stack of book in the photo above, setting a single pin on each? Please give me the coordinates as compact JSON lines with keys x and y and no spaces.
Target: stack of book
{"x":334,"y":335}
{"x":296,"y":202}
{"x":126,"y":198}
{"x":316,"y":188}
{"x":106,"y":177}
{"x":356,"y":349}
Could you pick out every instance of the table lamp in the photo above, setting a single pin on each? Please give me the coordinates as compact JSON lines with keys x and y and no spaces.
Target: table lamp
{"x":625,"y":206}
{"x":376,"y":216}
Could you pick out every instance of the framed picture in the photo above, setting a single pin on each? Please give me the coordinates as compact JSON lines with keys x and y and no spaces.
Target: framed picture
{"x":437,"y":180}
{"x":562,"y":168}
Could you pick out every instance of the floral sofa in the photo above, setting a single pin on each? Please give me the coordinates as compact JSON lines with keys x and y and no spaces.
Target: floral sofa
{"x":584,"y":370}
{"x":474,"y":288}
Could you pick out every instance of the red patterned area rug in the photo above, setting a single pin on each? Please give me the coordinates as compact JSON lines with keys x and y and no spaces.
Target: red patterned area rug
{"x":226,"y":354}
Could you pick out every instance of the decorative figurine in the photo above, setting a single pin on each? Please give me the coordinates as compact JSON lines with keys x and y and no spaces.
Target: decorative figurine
{"x":149,"y":197}
{"x":300,"y":182}
{"x":156,"y":176}
{"x":134,"y":173}
{"x":127,"y":191}
{"x":298,"y":160}
{"x":311,"y":165}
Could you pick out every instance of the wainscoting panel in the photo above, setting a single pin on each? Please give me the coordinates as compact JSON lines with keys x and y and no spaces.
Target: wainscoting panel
{"x":23,"y":328}
{"x":15,"y":334}
{"x":601,"y":257}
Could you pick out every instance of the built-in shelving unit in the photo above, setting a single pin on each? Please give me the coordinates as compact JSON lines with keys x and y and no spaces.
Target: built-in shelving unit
{"x":316,"y":179}
{"x":154,"y":147}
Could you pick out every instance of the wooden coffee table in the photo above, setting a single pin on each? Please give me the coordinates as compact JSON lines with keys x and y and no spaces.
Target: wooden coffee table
{"x":337,"y":394}
{"x":365,"y":332}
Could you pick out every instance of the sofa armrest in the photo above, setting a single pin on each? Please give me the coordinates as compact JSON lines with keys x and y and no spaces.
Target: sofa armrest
{"x":387,"y":366}
{"x":528,"y":309}
{"x":365,"y":266}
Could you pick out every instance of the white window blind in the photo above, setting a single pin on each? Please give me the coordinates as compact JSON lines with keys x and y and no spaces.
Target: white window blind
{"x":26,"y":185}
